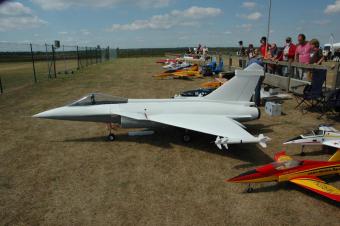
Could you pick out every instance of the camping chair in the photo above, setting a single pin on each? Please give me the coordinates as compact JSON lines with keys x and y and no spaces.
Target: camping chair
{"x":332,"y":103}
{"x":313,"y":94}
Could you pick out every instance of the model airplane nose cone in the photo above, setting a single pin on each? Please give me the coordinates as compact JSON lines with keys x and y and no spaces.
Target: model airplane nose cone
{"x":50,"y":114}
{"x":252,"y":174}
{"x":290,"y":141}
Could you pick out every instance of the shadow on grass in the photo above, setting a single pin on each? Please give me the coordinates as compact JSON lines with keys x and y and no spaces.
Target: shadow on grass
{"x":168,"y":137}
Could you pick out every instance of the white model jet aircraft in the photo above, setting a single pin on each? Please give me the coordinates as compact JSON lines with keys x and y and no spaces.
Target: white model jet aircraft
{"x":218,"y":113}
{"x":324,"y":135}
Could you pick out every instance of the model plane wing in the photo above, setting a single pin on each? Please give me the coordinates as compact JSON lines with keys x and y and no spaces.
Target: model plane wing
{"x":319,"y":186}
{"x":220,"y":126}
{"x":332,"y":143}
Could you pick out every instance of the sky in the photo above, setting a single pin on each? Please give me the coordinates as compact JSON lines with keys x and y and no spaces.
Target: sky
{"x":166,"y":23}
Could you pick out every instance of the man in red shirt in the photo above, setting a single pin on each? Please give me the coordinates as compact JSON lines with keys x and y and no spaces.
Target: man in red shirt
{"x":288,"y":54}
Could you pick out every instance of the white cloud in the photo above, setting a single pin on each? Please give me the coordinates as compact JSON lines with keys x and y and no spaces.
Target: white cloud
{"x":251,"y":16}
{"x":246,"y":27}
{"x":186,"y":17}
{"x":248,"y":5}
{"x":64,"y":4}
{"x":333,"y":8}
{"x":14,"y":15}
{"x":321,"y":22}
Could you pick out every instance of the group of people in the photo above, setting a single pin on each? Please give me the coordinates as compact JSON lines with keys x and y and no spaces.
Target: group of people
{"x":199,"y":50}
{"x":304,"y":52}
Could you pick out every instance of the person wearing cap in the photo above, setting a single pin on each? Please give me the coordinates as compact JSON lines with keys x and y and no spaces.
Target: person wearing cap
{"x":288,"y":54}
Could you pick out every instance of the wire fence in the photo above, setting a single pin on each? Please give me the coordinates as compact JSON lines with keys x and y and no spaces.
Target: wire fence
{"x":23,"y":64}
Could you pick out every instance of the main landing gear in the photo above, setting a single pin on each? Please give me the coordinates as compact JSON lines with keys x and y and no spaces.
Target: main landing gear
{"x":302,"y":152}
{"x":249,"y":189}
{"x":186,"y":137}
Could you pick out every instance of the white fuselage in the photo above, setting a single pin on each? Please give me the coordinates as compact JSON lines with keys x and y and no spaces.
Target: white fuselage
{"x":306,"y":140}
{"x":140,"y":109}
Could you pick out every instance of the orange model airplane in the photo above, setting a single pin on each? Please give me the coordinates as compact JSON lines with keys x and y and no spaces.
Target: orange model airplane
{"x":214,"y":84}
{"x":304,"y":173}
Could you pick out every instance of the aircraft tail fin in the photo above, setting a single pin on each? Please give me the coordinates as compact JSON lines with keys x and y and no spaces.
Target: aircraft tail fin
{"x":241,"y":87}
{"x":335,"y":157}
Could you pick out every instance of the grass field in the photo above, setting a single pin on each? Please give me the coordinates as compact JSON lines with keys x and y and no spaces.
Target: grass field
{"x":18,"y":74}
{"x":65,"y":173}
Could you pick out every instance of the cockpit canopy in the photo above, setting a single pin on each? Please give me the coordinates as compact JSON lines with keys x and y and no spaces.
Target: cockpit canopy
{"x":98,"y":99}
{"x":316,"y":132}
{"x":286,"y":164}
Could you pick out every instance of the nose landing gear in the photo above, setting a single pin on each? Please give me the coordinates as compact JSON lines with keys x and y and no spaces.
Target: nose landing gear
{"x":111,"y":137}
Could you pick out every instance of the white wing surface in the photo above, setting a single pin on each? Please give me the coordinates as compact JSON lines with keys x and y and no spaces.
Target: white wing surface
{"x":227,"y":130}
{"x":332,"y":143}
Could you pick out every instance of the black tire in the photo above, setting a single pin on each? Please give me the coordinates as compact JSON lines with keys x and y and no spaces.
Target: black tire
{"x":111,"y":137}
{"x":186,"y":138}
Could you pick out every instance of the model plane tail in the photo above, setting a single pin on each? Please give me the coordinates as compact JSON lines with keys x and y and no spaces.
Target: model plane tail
{"x":335,"y":157}
{"x":241,"y":87}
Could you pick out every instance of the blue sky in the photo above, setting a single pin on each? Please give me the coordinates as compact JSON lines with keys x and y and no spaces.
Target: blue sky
{"x":165,"y":23}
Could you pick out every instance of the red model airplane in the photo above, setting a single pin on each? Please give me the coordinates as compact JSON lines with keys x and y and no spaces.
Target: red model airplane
{"x":301,"y":172}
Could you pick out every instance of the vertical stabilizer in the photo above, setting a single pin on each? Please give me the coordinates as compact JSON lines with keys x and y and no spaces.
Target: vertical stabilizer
{"x":241,"y":87}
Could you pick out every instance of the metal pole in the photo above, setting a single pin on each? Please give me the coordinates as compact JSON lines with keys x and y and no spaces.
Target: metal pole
{"x":65,"y":71}
{"x":1,"y":88}
{"x":48,"y":62}
{"x":32,"y":56}
{"x":53,"y":58}
{"x":268,"y":28}
{"x":78,"y":58}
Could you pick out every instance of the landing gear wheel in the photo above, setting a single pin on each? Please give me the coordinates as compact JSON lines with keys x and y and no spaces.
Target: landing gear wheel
{"x":250,"y":190}
{"x":186,"y":138}
{"x":111,"y":137}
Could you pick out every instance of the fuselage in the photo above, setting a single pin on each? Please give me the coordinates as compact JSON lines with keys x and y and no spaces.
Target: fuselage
{"x":140,"y":109}
{"x":312,"y":139}
{"x":285,"y":171}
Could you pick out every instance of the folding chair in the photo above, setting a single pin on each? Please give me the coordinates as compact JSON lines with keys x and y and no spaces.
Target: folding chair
{"x":332,"y":103}
{"x":313,"y":94}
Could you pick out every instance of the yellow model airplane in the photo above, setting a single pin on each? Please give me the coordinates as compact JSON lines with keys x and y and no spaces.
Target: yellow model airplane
{"x":303,"y":173}
{"x":190,"y":72}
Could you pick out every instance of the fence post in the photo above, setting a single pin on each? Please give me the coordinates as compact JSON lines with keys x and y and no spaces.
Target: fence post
{"x":53,"y":59}
{"x":78,"y":59}
{"x":230,"y":62}
{"x":32,"y":56}
{"x":336,"y":76}
{"x":48,"y":62}
{"x":290,"y":73}
{"x":1,"y":88}
{"x":86,"y":57}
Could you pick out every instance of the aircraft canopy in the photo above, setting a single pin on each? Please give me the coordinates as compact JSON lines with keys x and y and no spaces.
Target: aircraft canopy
{"x":98,"y":99}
